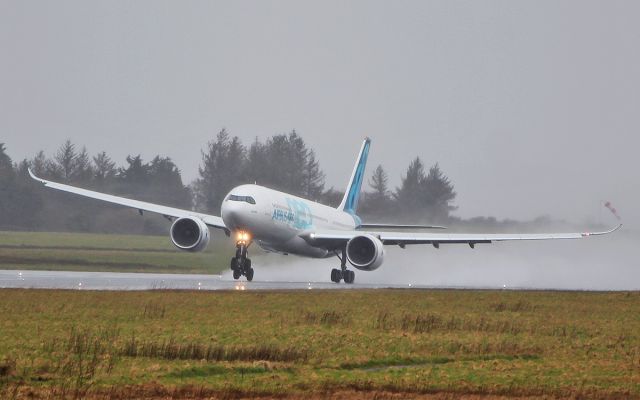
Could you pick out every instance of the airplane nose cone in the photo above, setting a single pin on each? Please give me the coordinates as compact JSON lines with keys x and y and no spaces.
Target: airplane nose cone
{"x":230,"y":214}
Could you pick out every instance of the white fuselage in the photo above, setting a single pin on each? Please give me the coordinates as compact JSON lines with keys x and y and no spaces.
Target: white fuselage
{"x":277,"y":219}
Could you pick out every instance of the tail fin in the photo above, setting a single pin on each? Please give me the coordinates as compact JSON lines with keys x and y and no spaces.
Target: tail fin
{"x":349,"y":202}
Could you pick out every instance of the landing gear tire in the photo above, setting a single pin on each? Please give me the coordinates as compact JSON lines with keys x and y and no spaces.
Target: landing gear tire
{"x":349,"y":276}
{"x":241,"y":264}
{"x":343,"y":273}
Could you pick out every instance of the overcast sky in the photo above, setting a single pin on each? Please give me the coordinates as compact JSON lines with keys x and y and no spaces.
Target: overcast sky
{"x":531,"y":108}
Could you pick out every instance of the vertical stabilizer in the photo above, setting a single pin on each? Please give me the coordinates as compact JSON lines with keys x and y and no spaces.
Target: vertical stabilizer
{"x":350,"y":200}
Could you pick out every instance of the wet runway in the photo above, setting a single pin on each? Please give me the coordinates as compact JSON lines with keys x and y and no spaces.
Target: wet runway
{"x":141,"y":281}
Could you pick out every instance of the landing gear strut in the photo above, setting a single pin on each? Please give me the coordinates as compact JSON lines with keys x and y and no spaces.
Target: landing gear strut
{"x":241,"y":264}
{"x":343,"y":273}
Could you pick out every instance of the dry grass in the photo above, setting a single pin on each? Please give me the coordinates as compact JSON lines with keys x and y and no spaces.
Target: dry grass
{"x":383,"y":343}
{"x":171,"y":349}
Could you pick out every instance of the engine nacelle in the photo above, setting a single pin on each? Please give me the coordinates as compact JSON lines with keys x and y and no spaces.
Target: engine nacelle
{"x":365,"y":252}
{"x":189,"y":234}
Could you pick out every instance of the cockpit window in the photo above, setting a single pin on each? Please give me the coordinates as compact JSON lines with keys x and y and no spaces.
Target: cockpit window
{"x":246,"y":199}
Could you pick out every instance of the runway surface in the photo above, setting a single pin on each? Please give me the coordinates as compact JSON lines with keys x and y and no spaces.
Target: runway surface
{"x":140,"y":281}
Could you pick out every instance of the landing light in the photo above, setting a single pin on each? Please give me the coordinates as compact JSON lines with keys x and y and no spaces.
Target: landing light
{"x":243,"y":236}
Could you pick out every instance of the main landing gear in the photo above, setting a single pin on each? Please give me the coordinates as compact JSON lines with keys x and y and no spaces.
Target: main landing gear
{"x":343,"y":273}
{"x":241,"y":264}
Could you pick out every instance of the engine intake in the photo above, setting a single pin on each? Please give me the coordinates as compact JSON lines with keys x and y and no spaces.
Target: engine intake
{"x":365,"y":252}
{"x":189,"y":234}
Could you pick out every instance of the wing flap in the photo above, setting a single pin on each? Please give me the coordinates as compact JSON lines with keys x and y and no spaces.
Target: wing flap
{"x":396,"y":226}
{"x":210,"y":220}
{"x":406,"y":238}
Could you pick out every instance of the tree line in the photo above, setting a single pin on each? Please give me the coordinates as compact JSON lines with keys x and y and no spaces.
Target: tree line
{"x":283,"y":162}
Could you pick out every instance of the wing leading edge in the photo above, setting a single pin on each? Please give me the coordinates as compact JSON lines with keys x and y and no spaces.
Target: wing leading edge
{"x":210,"y":220}
{"x":334,"y":238}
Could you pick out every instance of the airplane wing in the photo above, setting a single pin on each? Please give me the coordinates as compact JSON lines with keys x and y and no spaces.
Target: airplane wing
{"x":170,"y":212}
{"x":332,"y":239}
{"x":394,"y":226}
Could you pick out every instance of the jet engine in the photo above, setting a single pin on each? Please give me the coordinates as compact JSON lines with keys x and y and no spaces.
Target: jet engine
{"x":365,"y":252}
{"x":189,"y":234}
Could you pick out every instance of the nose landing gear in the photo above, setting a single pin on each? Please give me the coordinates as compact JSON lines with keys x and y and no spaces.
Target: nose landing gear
{"x":241,"y":264}
{"x":343,"y":273}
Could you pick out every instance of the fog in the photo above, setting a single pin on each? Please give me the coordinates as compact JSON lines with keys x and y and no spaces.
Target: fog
{"x":530,"y":107}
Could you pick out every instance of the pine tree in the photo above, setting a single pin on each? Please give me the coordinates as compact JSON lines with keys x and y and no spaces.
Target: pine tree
{"x":313,"y":178}
{"x":222,"y":168}
{"x":438,"y":193}
{"x":256,"y":168}
{"x":19,"y":205}
{"x":291,"y":167}
{"x":165,"y":183}
{"x":22,"y":169}
{"x":104,"y":168}
{"x":8,"y":200}
{"x":65,"y":160}
{"x":409,"y":194}
{"x":83,"y":170}
{"x":38,"y":164}
{"x":379,"y":183}
{"x":6,"y":165}
{"x":376,"y":204}
{"x":426,"y":197}
{"x":136,"y":173}
{"x":332,"y":197}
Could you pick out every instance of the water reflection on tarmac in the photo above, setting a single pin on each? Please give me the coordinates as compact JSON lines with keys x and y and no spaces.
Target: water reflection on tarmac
{"x":144,"y":281}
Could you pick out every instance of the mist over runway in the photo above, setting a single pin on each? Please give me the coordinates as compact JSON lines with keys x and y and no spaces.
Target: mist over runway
{"x":28,"y":279}
{"x":599,"y":264}
{"x":120,"y":281}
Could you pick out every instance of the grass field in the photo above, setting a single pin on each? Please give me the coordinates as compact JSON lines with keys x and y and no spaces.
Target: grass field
{"x":115,"y":253}
{"x":370,"y":343}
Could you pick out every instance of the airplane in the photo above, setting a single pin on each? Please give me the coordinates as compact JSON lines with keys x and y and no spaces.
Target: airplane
{"x":286,"y":224}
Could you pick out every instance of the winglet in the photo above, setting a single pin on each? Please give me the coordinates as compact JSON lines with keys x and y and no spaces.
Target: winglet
{"x":349,"y":202}
{"x":613,"y":211}
{"x":587,"y":234}
{"x":35,"y":178}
